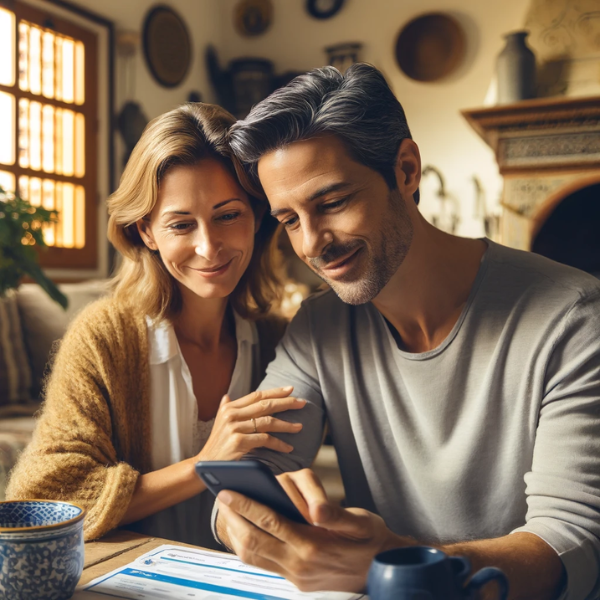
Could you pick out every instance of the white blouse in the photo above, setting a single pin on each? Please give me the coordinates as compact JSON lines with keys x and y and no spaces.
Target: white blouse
{"x":177,"y":433}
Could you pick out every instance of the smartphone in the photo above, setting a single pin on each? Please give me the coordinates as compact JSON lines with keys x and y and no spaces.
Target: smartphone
{"x":252,"y":479}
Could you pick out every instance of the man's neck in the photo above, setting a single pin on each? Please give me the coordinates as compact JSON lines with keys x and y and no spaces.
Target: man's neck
{"x":425,"y":297}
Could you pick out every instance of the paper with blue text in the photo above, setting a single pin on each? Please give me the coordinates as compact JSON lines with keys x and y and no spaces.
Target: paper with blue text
{"x":170,"y":572}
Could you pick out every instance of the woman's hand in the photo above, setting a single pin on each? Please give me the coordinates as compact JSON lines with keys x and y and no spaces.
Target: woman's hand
{"x":244,"y":424}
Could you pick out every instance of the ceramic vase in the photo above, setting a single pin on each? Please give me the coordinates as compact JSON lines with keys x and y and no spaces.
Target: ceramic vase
{"x":515,"y":69}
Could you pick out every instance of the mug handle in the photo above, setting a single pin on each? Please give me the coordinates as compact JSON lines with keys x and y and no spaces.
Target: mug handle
{"x":463,"y":567}
{"x":486,"y":575}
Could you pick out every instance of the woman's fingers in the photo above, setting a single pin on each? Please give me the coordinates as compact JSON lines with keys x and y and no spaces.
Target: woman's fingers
{"x":281,"y":392}
{"x":270,"y":424}
{"x":268,"y":406}
{"x":264,"y":440}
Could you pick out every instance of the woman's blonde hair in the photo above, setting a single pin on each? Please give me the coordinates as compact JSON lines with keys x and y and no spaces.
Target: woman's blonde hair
{"x":182,"y":137}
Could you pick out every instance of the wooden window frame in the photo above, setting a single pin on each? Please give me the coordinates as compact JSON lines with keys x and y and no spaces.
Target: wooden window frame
{"x":63,"y":258}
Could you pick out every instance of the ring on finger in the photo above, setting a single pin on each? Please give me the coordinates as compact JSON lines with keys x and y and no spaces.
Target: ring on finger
{"x":254,"y":423}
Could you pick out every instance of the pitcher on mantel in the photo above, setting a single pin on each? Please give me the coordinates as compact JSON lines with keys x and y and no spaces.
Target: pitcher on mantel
{"x":515,"y":69}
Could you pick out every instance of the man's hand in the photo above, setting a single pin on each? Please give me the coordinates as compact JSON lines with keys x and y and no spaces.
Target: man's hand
{"x":335,"y":554}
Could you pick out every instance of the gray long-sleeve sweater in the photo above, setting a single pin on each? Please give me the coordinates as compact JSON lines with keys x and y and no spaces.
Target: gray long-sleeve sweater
{"x":497,"y":430}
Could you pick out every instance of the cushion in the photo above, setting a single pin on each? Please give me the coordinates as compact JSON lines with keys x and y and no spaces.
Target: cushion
{"x":44,"y":321}
{"x":15,"y":373}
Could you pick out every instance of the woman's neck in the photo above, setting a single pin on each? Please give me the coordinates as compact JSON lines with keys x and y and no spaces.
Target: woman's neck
{"x":203,"y":322}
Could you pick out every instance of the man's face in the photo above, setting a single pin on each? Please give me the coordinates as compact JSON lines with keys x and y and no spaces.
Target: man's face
{"x":342,"y":219}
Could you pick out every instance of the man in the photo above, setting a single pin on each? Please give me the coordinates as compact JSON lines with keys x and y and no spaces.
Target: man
{"x":460,"y":378}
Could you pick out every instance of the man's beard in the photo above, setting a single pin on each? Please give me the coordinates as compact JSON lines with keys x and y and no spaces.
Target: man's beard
{"x":380,"y":262}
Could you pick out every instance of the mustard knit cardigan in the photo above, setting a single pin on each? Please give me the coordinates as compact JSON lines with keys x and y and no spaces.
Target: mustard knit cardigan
{"x":92,"y":439}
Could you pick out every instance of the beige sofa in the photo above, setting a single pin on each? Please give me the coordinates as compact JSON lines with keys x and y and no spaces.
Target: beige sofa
{"x":30,"y":325}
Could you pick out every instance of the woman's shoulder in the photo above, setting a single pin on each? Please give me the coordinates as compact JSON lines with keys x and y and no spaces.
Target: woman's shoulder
{"x":107,"y":318}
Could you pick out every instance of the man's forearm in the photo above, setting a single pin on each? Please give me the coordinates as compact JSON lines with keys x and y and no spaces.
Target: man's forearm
{"x":533,"y":568}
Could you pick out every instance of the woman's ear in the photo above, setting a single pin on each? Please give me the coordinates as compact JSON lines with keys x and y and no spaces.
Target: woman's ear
{"x":408,"y":166}
{"x":146,"y":234}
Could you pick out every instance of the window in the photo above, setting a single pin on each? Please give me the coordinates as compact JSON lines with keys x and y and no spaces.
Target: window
{"x":48,"y":118}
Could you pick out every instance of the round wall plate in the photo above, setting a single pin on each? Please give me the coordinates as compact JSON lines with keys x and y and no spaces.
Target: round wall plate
{"x":430,"y":47}
{"x":253,"y":17}
{"x":167,"y":46}
{"x":323,"y":9}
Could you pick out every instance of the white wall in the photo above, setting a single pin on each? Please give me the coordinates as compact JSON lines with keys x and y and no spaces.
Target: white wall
{"x":295,"y":41}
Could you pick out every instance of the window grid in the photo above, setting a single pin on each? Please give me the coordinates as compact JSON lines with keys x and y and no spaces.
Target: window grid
{"x":46,"y":148}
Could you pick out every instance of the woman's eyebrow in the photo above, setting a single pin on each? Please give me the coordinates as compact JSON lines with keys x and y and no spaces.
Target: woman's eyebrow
{"x":226,"y":202}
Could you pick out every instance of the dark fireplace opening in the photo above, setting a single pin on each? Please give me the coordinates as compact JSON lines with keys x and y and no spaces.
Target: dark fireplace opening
{"x":571,"y":233}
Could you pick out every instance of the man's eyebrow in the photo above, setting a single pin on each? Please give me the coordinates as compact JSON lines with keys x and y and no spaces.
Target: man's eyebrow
{"x":333,"y":187}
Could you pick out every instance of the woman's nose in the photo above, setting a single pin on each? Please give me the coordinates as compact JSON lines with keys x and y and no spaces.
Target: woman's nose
{"x":207,"y":244}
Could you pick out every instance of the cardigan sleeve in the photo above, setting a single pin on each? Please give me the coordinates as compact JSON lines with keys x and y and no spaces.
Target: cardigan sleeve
{"x":77,"y":447}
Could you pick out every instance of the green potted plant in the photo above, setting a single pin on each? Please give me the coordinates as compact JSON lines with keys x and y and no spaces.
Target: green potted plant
{"x":20,"y":232}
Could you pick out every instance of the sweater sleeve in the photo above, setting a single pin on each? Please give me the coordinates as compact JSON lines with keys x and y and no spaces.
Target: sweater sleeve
{"x":563,"y":487}
{"x":72,"y":455}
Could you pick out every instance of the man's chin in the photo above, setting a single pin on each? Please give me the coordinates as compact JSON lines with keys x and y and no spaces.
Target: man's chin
{"x":355,"y":293}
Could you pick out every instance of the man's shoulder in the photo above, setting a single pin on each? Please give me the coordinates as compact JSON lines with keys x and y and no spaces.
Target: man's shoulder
{"x":540,"y":276}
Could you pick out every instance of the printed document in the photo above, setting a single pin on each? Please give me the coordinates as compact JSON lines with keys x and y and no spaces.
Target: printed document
{"x":170,"y":572}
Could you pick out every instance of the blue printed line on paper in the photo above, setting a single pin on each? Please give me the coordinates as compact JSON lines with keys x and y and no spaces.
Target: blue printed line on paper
{"x":197,"y":585}
{"x":187,"y":562}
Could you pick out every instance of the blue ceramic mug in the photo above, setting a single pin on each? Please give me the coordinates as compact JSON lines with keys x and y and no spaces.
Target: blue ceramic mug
{"x":423,"y":573}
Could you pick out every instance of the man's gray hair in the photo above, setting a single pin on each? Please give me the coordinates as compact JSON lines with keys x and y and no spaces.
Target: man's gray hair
{"x":358,"y":107}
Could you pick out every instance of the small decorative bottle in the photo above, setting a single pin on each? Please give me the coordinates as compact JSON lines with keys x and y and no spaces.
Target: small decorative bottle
{"x":515,"y":69}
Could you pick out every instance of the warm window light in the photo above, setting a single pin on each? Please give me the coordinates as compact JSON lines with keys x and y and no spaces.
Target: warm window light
{"x":7,"y":128}
{"x":79,"y":73}
{"x":7,"y":181}
{"x":48,"y":64}
{"x":68,"y":71}
{"x":35,"y":60}
{"x":67,"y":135}
{"x":79,"y":217}
{"x":24,"y":56}
{"x":7,"y":47}
{"x":24,"y":187}
{"x":48,"y":138}
{"x":79,"y":145}
{"x":24,"y":133}
{"x":35,"y":191}
{"x":68,"y":215}
{"x":35,"y":136}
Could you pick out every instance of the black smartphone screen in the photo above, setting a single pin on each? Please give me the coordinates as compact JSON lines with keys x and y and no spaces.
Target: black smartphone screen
{"x":252,"y":479}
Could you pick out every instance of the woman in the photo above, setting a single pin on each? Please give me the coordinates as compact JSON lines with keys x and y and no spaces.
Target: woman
{"x":141,"y":386}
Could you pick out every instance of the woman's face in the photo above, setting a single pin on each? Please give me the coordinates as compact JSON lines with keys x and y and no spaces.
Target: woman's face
{"x":203,"y":226}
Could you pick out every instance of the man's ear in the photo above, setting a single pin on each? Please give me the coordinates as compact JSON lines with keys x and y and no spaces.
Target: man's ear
{"x":408,"y":166}
{"x":146,"y":234}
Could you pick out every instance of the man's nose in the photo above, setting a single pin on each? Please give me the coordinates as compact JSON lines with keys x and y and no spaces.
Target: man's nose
{"x":315,"y":239}
{"x":207,"y":243}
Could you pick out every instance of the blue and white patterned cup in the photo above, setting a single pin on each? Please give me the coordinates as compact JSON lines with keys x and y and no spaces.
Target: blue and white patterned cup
{"x":41,"y":549}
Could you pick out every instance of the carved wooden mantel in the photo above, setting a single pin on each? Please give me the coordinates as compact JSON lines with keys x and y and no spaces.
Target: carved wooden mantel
{"x":544,"y":148}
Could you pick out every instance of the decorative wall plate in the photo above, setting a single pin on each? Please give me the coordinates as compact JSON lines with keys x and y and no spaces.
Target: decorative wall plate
{"x":167,"y":46}
{"x":253,"y":17}
{"x":323,"y":9}
{"x":430,"y":47}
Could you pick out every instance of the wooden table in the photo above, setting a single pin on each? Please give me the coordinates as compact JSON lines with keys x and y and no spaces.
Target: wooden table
{"x":115,"y":550}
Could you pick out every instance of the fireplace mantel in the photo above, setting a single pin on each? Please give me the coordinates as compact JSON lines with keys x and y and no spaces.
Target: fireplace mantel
{"x":542,"y":146}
